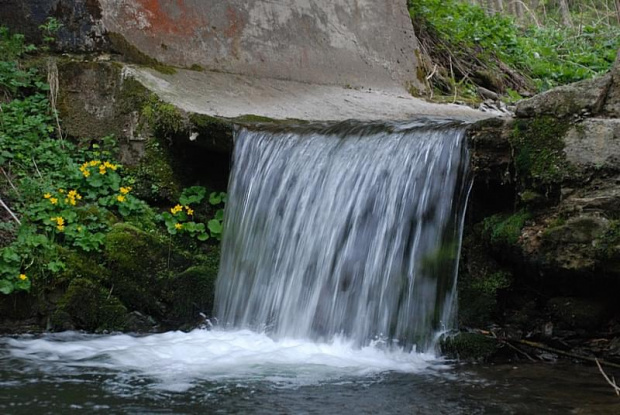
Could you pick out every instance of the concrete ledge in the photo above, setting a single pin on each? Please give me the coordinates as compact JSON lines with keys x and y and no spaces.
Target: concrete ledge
{"x":227,"y":95}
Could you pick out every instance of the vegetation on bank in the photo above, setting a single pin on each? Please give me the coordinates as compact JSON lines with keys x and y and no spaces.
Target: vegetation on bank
{"x":65,"y":203}
{"x":470,"y":47}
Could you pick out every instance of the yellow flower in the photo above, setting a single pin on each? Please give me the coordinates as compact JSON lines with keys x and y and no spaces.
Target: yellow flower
{"x":60,"y":221}
{"x":47,"y":195}
{"x":53,"y":200}
{"x":94,"y":163}
{"x":61,"y":190}
{"x":60,"y":228}
{"x":102,"y":170}
{"x":125,"y":190}
{"x":109,"y":165}
{"x":23,"y":277}
{"x":79,"y":229}
{"x":120,"y":198}
{"x":86,"y":173}
{"x":176,"y":209}
{"x":178,"y":226}
{"x":189,"y":210}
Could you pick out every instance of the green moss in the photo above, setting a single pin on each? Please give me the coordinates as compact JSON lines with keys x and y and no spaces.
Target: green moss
{"x":133,"y":95}
{"x":251,"y":118}
{"x":79,"y":266}
{"x":87,"y":305}
{"x":539,"y":151}
{"x":478,"y":296}
{"x":502,"y":229}
{"x":134,"y":55}
{"x":608,"y":247}
{"x":162,"y":116}
{"x":491,"y":283}
{"x":155,"y":179}
{"x":139,"y":264}
{"x":468,"y":346}
{"x":196,"y":67}
{"x":192,"y":292}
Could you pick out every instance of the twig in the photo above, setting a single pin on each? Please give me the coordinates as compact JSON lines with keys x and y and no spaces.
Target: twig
{"x":10,"y":211}
{"x":612,"y":383}
{"x":516,"y":349}
{"x":453,"y":81}
{"x":8,"y":179}
{"x":428,"y":78}
{"x":36,"y":168}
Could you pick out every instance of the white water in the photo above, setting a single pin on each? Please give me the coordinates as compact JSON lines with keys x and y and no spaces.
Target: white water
{"x":350,"y":230}
{"x":176,"y":361}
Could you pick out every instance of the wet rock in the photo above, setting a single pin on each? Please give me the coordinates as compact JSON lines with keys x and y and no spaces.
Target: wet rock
{"x":468,"y":346}
{"x":139,"y":323}
{"x":193,"y":291}
{"x":581,"y":313}
{"x":139,"y":263}
{"x":88,"y":306}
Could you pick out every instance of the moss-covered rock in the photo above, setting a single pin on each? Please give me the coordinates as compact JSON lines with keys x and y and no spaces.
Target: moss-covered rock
{"x":468,"y":346}
{"x":505,"y":230}
{"x":86,"y":305}
{"x":139,"y":263}
{"x":539,"y":158}
{"x":192,"y":292}
{"x":481,"y":283}
{"x":156,"y":180}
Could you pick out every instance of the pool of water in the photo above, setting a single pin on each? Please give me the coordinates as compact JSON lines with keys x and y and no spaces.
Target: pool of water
{"x":245,"y":372}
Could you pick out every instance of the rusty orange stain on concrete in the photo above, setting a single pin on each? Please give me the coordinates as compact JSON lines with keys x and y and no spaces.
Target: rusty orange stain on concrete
{"x":160,"y":20}
{"x":235,"y":22}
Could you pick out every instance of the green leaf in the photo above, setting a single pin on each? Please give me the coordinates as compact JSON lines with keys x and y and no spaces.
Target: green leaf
{"x":6,"y":287}
{"x":202,"y":236}
{"x":193,"y":194}
{"x":215,"y":226}
{"x":219,"y":215}
{"x":56,"y":266}
{"x":215,"y":198}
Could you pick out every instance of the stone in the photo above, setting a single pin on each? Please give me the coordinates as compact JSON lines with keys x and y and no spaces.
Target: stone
{"x":581,"y":313}
{"x":567,"y":100}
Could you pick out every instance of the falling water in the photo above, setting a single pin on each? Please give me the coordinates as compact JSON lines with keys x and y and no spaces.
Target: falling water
{"x":348,"y":230}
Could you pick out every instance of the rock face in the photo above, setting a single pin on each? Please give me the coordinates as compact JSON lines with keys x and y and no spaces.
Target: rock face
{"x":360,"y":43}
{"x":553,"y":232}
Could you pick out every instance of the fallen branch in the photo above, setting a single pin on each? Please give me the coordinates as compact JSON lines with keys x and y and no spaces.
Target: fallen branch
{"x":10,"y":211}
{"x":8,"y":179}
{"x":564,"y":353}
{"x":612,"y":382}
{"x":546,"y":348}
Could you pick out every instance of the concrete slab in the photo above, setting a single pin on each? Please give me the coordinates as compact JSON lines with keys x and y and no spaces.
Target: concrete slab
{"x":365,"y":43}
{"x":230,"y":95}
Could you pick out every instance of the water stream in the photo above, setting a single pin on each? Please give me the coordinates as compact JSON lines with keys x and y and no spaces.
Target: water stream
{"x":349,"y":230}
{"x":338,"y":272}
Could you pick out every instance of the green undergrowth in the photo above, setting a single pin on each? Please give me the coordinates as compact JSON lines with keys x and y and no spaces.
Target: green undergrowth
{"x":505,"y":229}
{"x":75,"y":218}
{"x":472,"y":48}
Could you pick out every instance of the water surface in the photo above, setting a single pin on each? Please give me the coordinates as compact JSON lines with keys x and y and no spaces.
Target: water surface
{"x":245,"y":372}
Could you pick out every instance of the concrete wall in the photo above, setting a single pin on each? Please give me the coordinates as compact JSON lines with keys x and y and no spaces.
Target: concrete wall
{"x":361,"y":43}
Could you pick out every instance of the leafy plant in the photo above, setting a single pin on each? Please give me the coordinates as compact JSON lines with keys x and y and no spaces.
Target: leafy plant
{"x":49,"y":30}
{"x":180,"y":219}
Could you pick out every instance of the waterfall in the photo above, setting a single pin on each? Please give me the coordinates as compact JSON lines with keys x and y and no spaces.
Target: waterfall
{"x":348,"y":230}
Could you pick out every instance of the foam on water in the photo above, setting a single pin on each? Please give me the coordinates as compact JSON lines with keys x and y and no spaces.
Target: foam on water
{"x":176,"y":361}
